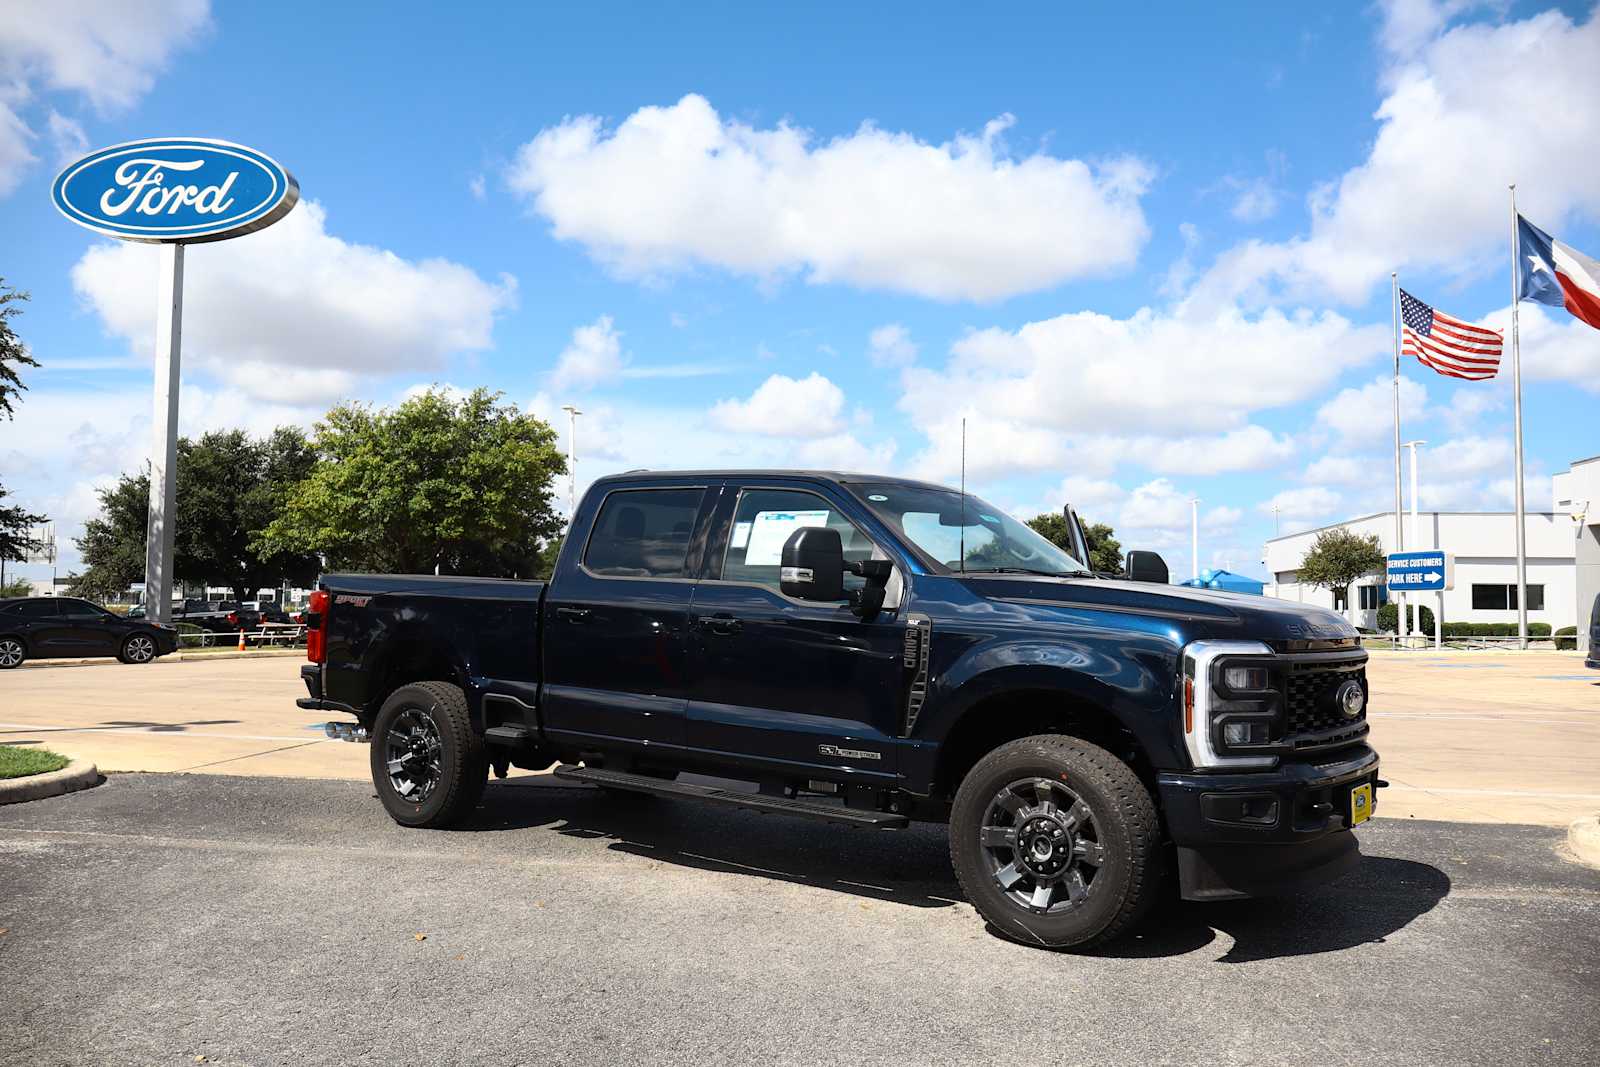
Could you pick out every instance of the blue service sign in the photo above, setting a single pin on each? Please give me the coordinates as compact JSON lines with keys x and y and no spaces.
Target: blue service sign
{"x":183,"y":189}
{"x":1421,"y":572}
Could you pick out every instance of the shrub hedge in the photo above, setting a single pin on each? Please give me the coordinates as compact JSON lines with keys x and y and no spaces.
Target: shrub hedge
{"x":1567,"y":637}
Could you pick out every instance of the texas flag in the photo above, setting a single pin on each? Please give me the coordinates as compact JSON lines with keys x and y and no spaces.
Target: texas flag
{"x":1556,"y":274}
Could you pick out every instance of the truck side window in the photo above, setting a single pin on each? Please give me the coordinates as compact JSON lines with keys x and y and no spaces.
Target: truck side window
{"x":643,"y":533}
{"x":763,"y":522}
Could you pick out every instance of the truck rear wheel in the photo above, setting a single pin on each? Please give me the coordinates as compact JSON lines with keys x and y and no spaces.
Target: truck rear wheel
{"x":428,"y":764}
{"x":1055,"y":842}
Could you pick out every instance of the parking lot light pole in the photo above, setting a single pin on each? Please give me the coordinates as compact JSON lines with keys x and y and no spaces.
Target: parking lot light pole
{"x":572,"y":459}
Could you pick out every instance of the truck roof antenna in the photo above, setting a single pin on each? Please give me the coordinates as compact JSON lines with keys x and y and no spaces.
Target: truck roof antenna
{"x":962,"y":559}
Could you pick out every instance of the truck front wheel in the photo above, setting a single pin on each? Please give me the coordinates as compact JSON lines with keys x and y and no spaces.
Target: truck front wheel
{"x":1055,"y":842}
{"x":428,"y":764}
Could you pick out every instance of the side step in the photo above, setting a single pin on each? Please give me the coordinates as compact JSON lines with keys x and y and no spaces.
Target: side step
{"x":513,"y":736}
{"x":805,"y":809}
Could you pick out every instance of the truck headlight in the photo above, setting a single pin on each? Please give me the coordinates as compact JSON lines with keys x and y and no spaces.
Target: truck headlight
{"x":1229,"y":703}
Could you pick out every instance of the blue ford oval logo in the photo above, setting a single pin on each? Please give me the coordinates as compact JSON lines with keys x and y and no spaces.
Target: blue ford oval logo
{"x":186,"y":189}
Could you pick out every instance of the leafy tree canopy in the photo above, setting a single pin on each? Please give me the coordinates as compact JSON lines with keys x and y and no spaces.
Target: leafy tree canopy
{"x":15,"y":522}
{"x":229,"y":486}
{"x":1105,"y":551}
{"x":1337,"y":558}
{"x":461,"y":484}
{"x":13,"y":353}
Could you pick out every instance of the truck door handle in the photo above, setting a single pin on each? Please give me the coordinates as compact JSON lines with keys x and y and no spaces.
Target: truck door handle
{"x":721,"y":623}
{"x":573,"y":614}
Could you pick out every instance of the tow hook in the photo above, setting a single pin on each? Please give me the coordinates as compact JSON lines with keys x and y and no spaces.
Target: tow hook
{"x":345,"y":731}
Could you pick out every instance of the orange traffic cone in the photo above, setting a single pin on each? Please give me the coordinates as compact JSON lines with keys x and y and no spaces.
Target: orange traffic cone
{"x":241,"y":639}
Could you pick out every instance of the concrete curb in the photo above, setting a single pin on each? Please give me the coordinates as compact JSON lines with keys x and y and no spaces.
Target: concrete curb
{"x":1583,"y":837}
{"x":171,"y":657}
{"x":74,"y":776}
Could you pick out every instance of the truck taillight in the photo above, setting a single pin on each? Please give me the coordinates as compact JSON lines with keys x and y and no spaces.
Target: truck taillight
{"x":316,"y":617}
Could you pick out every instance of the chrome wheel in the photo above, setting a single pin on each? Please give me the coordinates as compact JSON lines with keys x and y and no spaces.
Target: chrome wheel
{"x":139,"y":649}
{"x":11,"y":652}
{"x":413,"y":749}
{"x":1041,"y":845}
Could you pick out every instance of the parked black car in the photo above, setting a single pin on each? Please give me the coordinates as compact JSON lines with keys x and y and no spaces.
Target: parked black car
{"x":44,"y":627}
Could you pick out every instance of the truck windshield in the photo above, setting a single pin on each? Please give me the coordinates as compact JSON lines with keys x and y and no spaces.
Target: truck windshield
{"x":972,"y":535}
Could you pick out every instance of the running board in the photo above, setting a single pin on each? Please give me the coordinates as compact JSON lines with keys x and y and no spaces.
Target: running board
{"x":805,"y":809}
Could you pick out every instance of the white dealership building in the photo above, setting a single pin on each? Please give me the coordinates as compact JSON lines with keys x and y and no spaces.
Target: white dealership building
{"x":1563,"y":552}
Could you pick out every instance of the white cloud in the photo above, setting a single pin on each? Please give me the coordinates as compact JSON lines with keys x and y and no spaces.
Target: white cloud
{"x":890,"y":345}
{"x":1256,"y":201}
{"x":106,"y":51}
{"x":478,"y":187}
{"x":1308,"y":504}
{"x":1365,"y":415}
{"x":673,"y":187}
{"x":786,"y":407}
{"x":293,"y":310}
{"x":593,"y":357}
{"x":1173,"y":390}
{"x":1344,"y":470}
{"x":1458,"y":102}
{"x":1556,"y":347}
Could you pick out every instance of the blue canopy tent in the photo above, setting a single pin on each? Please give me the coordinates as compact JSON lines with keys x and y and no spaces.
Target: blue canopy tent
{"x":1226,"y":581}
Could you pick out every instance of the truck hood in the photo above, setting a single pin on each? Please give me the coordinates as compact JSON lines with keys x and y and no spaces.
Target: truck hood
{"x":1207,"y":611}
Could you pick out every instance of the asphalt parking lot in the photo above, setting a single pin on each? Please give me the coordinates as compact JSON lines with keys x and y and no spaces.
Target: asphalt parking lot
{"x":163,"y":918}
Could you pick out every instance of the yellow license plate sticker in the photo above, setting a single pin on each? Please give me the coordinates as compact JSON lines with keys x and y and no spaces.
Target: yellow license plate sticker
{"x":1360,"y":804}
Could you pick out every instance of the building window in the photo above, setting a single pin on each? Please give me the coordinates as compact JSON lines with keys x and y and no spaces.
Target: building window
{"x":1373,"y":597}
{"x":1504,"y":597}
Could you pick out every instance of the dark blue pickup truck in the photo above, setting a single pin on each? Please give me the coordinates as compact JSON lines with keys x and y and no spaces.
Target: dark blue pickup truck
{"x":869,"y":651}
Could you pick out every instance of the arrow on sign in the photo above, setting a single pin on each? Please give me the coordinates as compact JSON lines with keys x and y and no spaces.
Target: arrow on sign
{"x":1433,"y":576}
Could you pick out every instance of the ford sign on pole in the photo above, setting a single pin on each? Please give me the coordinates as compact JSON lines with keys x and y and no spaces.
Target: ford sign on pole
{"x":172,"y":191}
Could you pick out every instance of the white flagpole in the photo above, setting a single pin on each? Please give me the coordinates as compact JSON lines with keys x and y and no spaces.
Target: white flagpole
{"x":1401,"y":629}
{"x":1516,"y":393}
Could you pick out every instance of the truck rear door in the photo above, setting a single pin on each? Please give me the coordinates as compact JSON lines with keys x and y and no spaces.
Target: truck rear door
{"x":616,"y":615}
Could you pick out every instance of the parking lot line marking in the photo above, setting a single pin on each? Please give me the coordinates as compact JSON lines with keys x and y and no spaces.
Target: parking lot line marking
{"x":162,"y":732}
{"x":250,"y":755}
{"x":1396,"y":787}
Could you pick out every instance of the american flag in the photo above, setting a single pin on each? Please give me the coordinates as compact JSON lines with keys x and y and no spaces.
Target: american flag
{"x":1448,"y":345}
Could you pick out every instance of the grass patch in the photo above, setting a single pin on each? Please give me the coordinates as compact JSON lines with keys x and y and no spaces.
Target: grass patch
{"x":19,"y":762}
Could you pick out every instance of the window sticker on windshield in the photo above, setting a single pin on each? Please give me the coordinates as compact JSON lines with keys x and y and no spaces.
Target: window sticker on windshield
{"x":771,"y":529}
{"x":988,"y":518}
{"x":741,"y":535}
{"x":877,"y":498}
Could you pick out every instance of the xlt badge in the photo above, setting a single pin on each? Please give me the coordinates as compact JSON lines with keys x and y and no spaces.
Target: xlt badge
{"x":848,"y":753}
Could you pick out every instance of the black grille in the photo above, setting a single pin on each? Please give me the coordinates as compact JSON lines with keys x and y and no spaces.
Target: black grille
{"x":1312,"y":716}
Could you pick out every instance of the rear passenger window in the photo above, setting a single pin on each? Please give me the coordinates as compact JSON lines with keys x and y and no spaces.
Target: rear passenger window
{"x":643,"y":533}
{"x":37,"y":609}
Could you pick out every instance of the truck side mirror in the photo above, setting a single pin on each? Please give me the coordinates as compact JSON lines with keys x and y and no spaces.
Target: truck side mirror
{"x":1147,"y":567}
{"x":812,"y":565}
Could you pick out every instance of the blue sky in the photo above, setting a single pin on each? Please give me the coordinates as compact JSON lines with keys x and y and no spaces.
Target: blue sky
{"x":1145,"y":257}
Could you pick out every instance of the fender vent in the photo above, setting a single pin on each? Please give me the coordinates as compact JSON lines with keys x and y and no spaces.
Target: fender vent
{"x":919,"y":635}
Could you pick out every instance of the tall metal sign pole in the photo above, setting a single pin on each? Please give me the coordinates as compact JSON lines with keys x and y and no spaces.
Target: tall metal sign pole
{"x":159,"y":529}
{"x":572,"y":459}
{"x":1516,"y":403}
{"x":172,"y":192}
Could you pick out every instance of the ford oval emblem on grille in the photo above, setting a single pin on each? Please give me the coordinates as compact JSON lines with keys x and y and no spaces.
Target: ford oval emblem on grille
{"x":1351,"y":699}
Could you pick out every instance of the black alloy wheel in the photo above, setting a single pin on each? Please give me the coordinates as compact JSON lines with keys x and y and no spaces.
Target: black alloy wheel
{"x":139,"y":648}
{"x":1056,"y":842}
{"x":12,"y":653}
{"x":1041,"y":845}
{"x":429,"y":766}
{"x":412,"y":751}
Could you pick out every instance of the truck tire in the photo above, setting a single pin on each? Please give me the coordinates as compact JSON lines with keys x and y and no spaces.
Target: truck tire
{"x":1056,"y":842}
{"x":428,"y":764}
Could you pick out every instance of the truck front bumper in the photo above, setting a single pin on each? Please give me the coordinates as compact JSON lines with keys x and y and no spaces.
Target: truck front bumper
{"x":1241,"y":835}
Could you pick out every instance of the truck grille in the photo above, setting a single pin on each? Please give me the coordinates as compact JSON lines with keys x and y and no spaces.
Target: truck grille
{"x":1312,"y":717}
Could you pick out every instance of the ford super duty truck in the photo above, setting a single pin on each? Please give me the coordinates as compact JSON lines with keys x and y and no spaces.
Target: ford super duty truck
{"x":870,"y":651}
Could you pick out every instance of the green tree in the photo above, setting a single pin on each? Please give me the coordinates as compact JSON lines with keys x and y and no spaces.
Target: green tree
{"x":464,"y":485}
{"x":112,"y":543}
{"x":229,"y":486}
{"x":13,"y":353}
{"x":1105,"y":551}
{"x":1339,"y":557}
{"x":15,"y":587}
{"x":14,"y":520}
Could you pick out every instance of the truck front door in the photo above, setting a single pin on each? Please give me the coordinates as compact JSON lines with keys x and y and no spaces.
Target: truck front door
{"x":616,"y":619}
{"x":798,"y":685}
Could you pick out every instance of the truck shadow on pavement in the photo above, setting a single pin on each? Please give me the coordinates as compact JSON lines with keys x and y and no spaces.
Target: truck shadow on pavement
{"x":912,"y":867}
